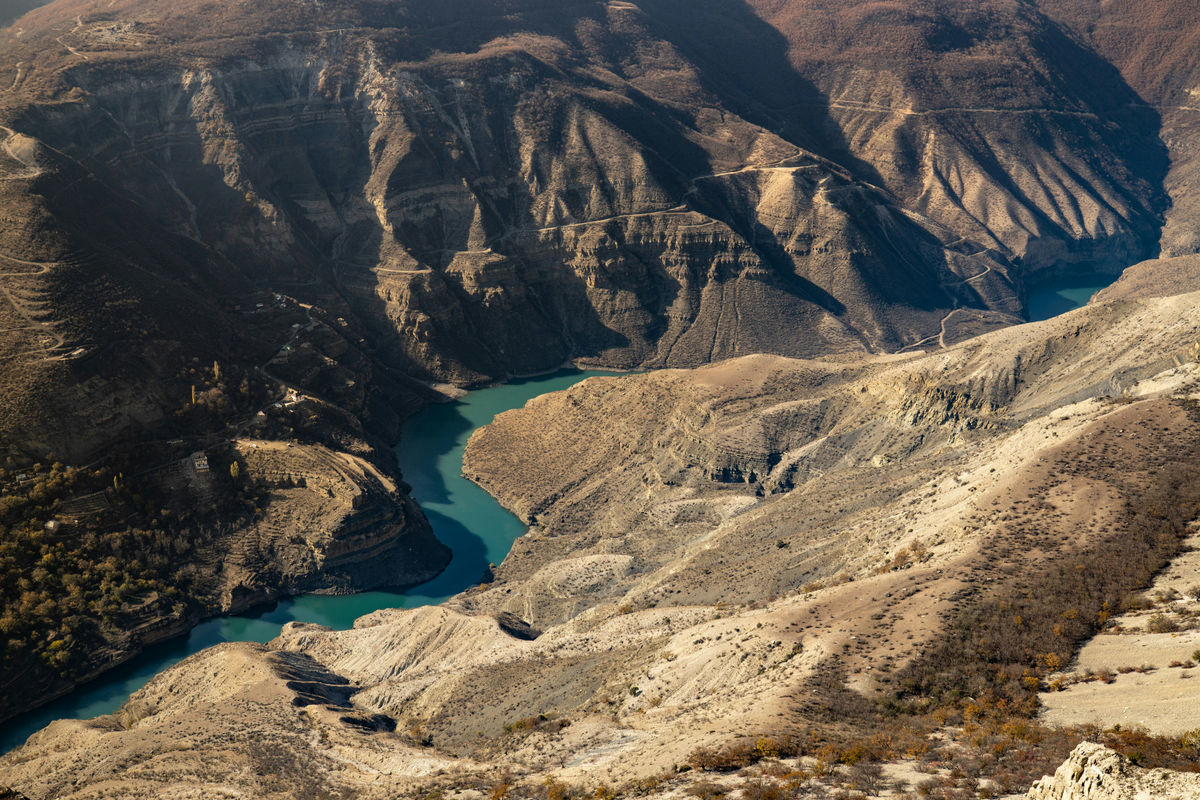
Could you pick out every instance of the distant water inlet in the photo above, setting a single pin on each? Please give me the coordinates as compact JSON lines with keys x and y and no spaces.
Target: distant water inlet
{"x":1051,"y":299}
{"x":466,"y":518}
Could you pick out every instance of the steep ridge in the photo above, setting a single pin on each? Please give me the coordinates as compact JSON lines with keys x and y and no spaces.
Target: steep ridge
{"x":446,"y":201}
{"x":1155,"y":48}
{"x":681,"y":602}
{"x":719,"y":438}
{"x":991,"y":120}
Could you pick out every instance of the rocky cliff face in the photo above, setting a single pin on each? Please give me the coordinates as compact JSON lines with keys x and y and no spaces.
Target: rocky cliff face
{"x":330,"y":522}
{"x":353,"y":200}
{"x":1093,"y":772}
{"x":635,"y":184}
{"x":335,"y":523}
{"x":483,"y":234}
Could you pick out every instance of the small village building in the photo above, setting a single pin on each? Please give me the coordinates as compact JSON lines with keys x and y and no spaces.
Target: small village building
{"x":200,"y":461}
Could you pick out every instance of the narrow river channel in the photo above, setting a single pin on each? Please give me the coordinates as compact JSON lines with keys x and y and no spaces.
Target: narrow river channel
{"x":466,"y":518}
{"x":463,"y":516}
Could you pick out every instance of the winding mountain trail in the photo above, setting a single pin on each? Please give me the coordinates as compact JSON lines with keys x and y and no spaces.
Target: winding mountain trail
{"x":42,"y":266}
{"x":72,"y":50}
{"x":942,"y":325}
{"x":851,"y":105}
{"x":20,"y":148}
{"x":45,"y":332}
{"x":20,"y":68}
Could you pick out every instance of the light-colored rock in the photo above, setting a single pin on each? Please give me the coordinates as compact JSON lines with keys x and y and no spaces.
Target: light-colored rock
{"x":1093,"y":772}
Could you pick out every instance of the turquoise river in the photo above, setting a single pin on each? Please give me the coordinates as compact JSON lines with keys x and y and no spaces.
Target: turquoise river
{"x":466,"y":518}
{"x":1053,"y":299}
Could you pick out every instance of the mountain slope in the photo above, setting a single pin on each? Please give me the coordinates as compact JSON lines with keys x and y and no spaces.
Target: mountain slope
{"x":1155,"y":48}
{"x":283,"y":220}
{"x":644,"y":185}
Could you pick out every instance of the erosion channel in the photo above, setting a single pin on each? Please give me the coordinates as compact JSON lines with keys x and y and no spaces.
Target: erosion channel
{"x":465,"y":517}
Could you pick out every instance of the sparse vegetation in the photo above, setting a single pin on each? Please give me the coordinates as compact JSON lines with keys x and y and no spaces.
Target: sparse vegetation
{"x":119,"y":553}
{"x":1022,"y":628}
{"x":978,"y":690}
{"x":547,"y":722}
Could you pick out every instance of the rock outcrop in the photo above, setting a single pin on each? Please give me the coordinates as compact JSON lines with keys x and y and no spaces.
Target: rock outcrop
{"x":1093,"y":772}
{"x":654,"y":184}
{"x":336,"y":524}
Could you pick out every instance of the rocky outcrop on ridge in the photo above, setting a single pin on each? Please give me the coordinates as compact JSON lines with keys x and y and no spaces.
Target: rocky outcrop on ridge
{"x":1093,"y":772}
{"x":336,"y":524}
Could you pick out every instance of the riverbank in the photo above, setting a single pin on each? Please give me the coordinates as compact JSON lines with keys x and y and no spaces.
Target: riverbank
{"x":465,"y":517}
{"x":696,"y":594}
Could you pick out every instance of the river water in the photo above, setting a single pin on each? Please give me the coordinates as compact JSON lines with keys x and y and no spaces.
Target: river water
{"x":463,"y":516}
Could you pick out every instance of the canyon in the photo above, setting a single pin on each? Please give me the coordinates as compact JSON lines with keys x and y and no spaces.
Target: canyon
{"x":636,"y":661}
{"x":259,"y":236}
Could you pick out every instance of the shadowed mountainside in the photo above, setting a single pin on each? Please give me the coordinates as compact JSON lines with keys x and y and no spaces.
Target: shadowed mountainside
{"x":1156,"y":47}
{"x":499,"y":189}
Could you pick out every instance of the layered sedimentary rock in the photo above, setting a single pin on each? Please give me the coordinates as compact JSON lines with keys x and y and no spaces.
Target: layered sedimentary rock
{"x":351,"y":201}
{"x":336,"y":523}
{"x":646,"y":184}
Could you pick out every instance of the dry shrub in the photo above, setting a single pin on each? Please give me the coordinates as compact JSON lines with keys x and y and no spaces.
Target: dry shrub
{"x":1161,"y":623}
{"x":762,"y":790}
{"x":707,"y":790}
